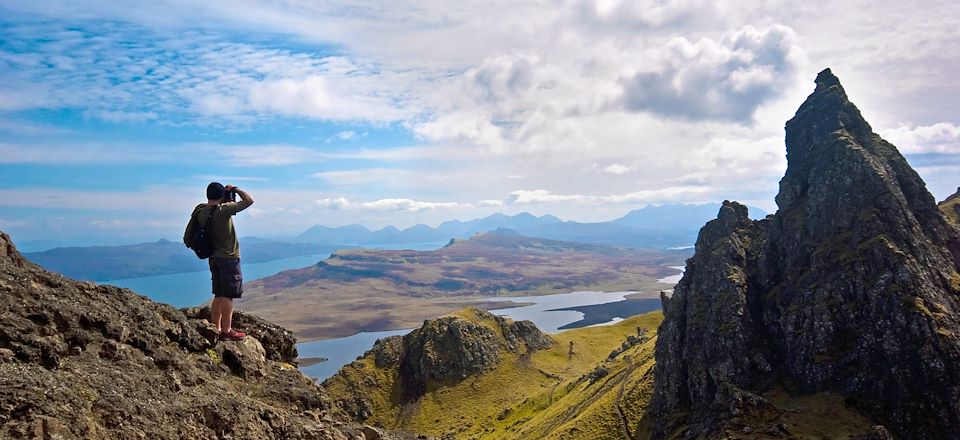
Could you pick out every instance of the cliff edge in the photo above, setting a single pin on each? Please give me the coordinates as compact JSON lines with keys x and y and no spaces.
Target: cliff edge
{"x":80,"y":360}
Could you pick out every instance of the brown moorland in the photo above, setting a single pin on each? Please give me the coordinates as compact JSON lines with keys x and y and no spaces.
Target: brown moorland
{"x":370,"y":290}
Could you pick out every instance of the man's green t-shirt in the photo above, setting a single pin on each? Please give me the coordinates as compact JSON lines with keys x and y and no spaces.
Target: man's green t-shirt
{"x":222,"y":234}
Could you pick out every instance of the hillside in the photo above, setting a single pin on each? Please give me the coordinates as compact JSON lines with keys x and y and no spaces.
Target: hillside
{"x":851,"y":288}
{"x":365,"y":290}
{"x":514,"y":391}
{"x":82,"y":361}
{"x":523,"y":390}
{"x":103,"y":263}
{"x":950,"y":207}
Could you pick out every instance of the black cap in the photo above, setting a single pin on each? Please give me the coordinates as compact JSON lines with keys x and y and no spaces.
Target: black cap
{"x":214,"y":191}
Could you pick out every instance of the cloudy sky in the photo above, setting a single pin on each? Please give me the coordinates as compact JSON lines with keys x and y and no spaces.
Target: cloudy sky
{"x":114,"y":115}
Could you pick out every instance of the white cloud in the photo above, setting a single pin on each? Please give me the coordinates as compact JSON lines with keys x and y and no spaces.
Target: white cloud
{"x":669,"y":194}
{"x":122,"y":116}
{"x":362,"y":176}
{"x":705,"y":79}
{"x":523,"y":197}
{"x":347,"y":135}
{"x":75,"y":154}
{"x":161,"y":199}
{"x":265,"y":155}
{"x":617,"y":168}
{"x":316,"y":98}
{"x":942,"y":137}
{"x":333,"y":203}
{"x":500,"y":95}
{"x":490,"y":203}
{"x":390,"y":204}
{"x":402,"y":204}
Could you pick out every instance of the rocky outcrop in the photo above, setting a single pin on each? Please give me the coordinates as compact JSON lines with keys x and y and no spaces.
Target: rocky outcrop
{"x":443,"y":351}
{"x":80,"y":360}
{"x":452,"y":348}
{"x":851,"y":287}
{"x":950,"y":207}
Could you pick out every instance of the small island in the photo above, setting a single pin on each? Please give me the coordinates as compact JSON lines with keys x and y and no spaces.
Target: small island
{"x":308,"y":361}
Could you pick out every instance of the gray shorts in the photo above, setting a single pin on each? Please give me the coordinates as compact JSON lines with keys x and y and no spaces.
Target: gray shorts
{"x":226,"y":276}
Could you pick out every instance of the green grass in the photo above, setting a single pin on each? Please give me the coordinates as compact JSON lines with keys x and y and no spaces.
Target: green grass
{"x":521,"y":397}
{"x":549,"y":396}
{"x":949,"y":209}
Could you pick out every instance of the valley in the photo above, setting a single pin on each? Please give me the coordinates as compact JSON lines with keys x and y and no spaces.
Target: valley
{"x":359,"y":290}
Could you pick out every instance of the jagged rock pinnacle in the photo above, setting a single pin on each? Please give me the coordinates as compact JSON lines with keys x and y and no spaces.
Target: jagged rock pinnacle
{"x":851,"y":287}
{"x":826,"y":79}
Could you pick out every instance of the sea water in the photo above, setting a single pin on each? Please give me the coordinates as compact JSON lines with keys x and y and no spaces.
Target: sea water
{"x":342,"y":351}
{"x":190,"y":289}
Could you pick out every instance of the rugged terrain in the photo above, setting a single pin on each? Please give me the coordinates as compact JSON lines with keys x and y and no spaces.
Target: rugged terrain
{"x":82,"y":361}
{"x":476,"y":375}
{"x":950,"y":207}
{"x":367,"y":290}
{"x":850,"y":288}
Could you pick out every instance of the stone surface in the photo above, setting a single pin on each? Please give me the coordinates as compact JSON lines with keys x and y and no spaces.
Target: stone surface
{"x":851,"y":286}
{"x":82,"y":361}
{"x":442,"y":351}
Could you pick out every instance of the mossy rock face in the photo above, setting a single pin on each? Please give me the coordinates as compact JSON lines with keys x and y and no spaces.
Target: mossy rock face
{"x":452,"y":348}
{"x":447,"y":349}
{"x":850,"y":287}
{"x":387,"y":351}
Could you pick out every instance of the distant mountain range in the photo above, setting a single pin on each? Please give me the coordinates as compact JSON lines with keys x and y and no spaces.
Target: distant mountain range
{"x":663,"y":226}
{"x":651,"y":226}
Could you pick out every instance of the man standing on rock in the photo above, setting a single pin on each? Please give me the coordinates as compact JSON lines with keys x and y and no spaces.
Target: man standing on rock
{"x":225,"y":260}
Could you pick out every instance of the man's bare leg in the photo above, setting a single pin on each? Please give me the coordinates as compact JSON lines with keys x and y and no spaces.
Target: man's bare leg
{"x":216,"y":313}
{"x":226,"y":314}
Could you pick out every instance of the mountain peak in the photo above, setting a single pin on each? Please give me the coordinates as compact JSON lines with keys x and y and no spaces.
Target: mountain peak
{"x":837,"y":292}
{"x":826,"y":79}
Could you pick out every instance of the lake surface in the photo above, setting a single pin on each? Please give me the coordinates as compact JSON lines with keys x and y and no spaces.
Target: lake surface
{"x":673,"y":279}
{"x":190,"y":289}
{"x":342,"y":351}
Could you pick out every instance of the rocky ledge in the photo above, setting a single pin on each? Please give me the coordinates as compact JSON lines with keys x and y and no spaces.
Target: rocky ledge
{"x":80,"y":360}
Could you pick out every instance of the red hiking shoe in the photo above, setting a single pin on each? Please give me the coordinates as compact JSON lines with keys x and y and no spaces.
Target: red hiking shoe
{"x":232,"y":335}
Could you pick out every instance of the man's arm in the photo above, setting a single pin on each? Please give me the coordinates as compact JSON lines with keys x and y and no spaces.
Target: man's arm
{"x":245,"y":199}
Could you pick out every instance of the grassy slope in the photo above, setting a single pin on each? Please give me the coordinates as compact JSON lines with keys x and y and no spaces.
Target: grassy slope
{"x":521,"y":398}
{"x":550,"y":397}
{"x":949,"y":209}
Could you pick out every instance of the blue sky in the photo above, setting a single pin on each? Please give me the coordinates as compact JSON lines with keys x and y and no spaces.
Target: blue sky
{"x":115,"y":115}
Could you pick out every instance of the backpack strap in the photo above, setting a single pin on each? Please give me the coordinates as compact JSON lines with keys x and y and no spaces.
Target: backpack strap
{"x":209,"y":216}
